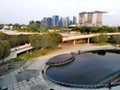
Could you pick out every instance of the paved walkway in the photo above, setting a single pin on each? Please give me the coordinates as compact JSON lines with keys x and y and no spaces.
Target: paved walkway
{"x":38,"y":82}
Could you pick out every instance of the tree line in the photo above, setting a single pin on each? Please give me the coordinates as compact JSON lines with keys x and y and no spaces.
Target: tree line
{"x":104,"y":38}
{"x":35,"y":26}
{"x":103,"y":29}
{"x":38,"y":41}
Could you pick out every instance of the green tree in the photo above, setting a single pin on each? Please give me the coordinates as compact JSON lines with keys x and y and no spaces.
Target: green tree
{"x":5,"y":49}
{"x":46,"y":41}
{"x":36,"y":40}
{"x":22,"y":39}
{"x":1,"y":27}
{"x":13,"y":40}
{"x":115,"y":39}
{"x":103,"y":38}
{"x":25,"y":29}
{"x":34,"y":25}
{"x":95,"y":39}
{"x":43,"y":29}
{"x":38,"y":23}
{"x":16,"y":26}
{"x":56,"y":38}
{"x":3,"y":36}
{"x":31,"y":22}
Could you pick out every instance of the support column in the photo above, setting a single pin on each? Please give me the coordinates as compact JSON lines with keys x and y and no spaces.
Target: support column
{"x":74,"y":42}
{"x":88,"y":41}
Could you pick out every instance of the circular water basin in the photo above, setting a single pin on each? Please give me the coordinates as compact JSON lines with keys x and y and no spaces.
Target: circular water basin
{"x":88,"y":69}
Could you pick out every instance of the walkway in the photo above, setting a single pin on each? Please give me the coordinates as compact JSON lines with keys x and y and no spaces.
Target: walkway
{"x":17,"y":50}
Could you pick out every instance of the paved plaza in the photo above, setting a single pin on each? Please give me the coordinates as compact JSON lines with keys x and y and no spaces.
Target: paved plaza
{"x":30,"y":77}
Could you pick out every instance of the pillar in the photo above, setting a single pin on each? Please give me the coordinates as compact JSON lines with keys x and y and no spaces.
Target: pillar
{"x":74,"y":42}
{"x":89,"y":19}
{"x":99,"y":19}
{"x":88,"y":41}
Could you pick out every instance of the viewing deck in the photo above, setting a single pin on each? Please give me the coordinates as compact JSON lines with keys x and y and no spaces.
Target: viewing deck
{"x":60,"y":59}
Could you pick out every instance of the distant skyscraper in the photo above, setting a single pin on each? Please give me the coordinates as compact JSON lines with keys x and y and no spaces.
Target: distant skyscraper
{"x":70,"y":22}
{"x":44,"y":21}
{"x":67,"y":21}
{"x":64,"y":21}
{"x":99,"y":19}
{"x":49,"y":21}
{"x":61,"y":22}
{"x":89,"y":19}
{"x":74,"y":20}
{"x":82,"y":18}
{"x":56,"y":20}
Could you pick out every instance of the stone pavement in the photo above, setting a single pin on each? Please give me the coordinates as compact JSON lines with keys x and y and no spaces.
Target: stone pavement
{"x":31,"y":77}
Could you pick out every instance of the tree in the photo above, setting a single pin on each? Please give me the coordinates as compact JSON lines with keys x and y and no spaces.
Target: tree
{"x":16,"y":26}
{"x":3,"y":36}
{"x":34,"y":25}
{"x":13,"y":40}
{"x":56,"y":38}
{"x":36,"y":40}
{"x":115,"y":39}
{"x":5,"y":49}
{"x":46,"y":41}
{"x":95,"y":39}
{"x":22,"y":39}
{"x":1,"y":26}
{"x":31,"y":22}
{"x":38,"y":23}
{"x":42,"y":29}
{"x":103,"y":38}
{"x":16,"y":40}
{"x":25,"y":29}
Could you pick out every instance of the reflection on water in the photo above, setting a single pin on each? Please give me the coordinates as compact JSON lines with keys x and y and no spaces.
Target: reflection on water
{"x":87,"y":68}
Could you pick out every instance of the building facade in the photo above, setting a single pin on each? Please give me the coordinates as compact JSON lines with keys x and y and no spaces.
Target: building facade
{"x":55,"y":20}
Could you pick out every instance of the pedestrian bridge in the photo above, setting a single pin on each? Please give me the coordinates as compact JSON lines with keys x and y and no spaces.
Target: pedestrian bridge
{"x":74,"y":38}
{"x":17,"y":50}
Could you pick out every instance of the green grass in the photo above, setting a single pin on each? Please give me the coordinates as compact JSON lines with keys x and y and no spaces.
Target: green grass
{"x":33,"y":54}
{"x":102,"y":44}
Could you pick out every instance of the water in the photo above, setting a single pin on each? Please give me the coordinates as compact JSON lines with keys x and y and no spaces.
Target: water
{"x":87,"y":69}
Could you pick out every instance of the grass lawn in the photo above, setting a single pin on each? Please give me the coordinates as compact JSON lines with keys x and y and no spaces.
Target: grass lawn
{"x":33,"y":54}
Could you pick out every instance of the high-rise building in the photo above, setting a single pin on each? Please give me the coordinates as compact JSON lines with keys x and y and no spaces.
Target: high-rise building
{"x":44,"y":21}
{"x":67,"y":21}
{"x":70,"y":22}
{"x":61,"y":22}
{"x":89,"y":19}
{"x":49,"y":21}
{"x":82,"y":18}
{"x":74,"y":20}
{"x":64,"y":21}
{"x":55,"y":20}
{"x":99,"y":19}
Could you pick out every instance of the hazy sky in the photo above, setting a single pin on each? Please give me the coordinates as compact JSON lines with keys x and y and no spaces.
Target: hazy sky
{"x":22,"y":11}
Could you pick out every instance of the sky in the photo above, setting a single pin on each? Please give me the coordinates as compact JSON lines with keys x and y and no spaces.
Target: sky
{"x":23,"y":11}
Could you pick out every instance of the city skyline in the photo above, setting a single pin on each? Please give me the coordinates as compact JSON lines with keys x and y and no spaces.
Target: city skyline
{"x":57,"y":20}
{"x":23,"y":11}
